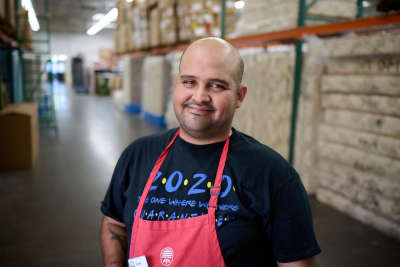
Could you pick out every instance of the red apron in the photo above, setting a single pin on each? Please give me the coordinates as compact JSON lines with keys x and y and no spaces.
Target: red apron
{"x":186,"y":242}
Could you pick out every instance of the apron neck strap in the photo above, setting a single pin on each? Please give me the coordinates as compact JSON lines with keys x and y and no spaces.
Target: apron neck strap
{"x":153,"y":174}
{"x":216,"y":189}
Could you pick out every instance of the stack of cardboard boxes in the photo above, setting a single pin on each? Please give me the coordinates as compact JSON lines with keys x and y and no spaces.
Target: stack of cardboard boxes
{"x":7,"y":16}
{"x":132,"y":26}
{"x":139,"y":18}
{"x":24,"y":29}
{"x":154,"y":27}
{"x":213,"y":7}
{"x":168,"y":24}
{"x":143,"y":24}
{"x":184,"y":20}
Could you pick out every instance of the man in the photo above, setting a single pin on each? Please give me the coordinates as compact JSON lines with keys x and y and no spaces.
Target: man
{"x":212,"y":196}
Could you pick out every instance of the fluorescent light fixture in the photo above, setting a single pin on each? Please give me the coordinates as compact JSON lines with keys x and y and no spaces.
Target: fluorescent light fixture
{"x":104,"y":21}
{"x":366,"y":4}
{"x":33,"y":21}
{"x":128,"y":1}
{"x":62,"y":57}
{"x":98,"y":16}
{"x":239,"y":4}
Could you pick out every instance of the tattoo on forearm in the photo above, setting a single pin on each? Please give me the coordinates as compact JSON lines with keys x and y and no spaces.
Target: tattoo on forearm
{"x":120,"y":238}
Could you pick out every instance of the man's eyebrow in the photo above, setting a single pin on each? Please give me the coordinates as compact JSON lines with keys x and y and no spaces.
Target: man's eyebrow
{"x":184,"y":76}
{"x":188,"y":77}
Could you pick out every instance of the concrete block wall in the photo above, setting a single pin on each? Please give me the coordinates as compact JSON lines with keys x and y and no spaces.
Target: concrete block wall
{"x":354,"y":124}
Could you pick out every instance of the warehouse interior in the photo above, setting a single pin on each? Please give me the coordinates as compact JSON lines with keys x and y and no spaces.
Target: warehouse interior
{"x":81,"y":80}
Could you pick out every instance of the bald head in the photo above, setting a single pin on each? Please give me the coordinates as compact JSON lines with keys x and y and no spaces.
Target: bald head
{"x":219,"y":48}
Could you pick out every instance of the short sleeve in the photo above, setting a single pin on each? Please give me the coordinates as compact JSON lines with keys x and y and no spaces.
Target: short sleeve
{"x":114,"y":200}
{"x":293,"y":236}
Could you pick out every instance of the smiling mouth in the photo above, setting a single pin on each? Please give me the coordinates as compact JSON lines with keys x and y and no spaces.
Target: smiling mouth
{"x":199,"y":110}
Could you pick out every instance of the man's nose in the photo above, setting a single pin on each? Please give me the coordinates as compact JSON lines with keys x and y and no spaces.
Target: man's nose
{"x":201,"y":95}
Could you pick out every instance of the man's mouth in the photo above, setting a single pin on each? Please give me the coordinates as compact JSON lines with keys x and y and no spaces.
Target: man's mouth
{"x":199,"y":109}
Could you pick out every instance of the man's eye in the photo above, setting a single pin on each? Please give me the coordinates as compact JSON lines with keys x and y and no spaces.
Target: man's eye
{"x":217,"y":86}
{"x":188,"y":83}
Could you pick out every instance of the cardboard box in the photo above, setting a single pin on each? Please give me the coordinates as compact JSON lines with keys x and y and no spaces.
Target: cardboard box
{"x":11,"y":14}
{"x":121,"y":13}
{"x":2,"y":10}
{"x":4,"y":95}
{"x":154,"y":28}
{"x":166,"y":3}
{"x":168,"y":24}
{"x":105,"y":53}
{"x":25,"y":30}
{"x":117,"y":41}
{"x":142,"y":4}
{"x":19,"y":136}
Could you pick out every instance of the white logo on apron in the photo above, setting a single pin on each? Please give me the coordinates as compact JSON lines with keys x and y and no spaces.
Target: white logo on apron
{"x":167,"y":256}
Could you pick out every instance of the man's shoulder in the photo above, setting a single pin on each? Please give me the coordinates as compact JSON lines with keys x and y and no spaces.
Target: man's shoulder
{"x":260,"y":157}
{"x":252,"y":147}
{"x":153,"y":142}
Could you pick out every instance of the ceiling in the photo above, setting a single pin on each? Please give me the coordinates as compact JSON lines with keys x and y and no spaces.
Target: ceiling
{"x":71,"y":15}
{"x":76,"y":15}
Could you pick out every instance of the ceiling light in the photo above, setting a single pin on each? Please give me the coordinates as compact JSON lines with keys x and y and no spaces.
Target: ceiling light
{"x":62,"y":57}
{"x":239,"y":4}
{"x":33,"y":21}
{"x":108,"y":18}
{"x":98,"y":16}
{"x":366,"y":4}
{"x":128,"y":1}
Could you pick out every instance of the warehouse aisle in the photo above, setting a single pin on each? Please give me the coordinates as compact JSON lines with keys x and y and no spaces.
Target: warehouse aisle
{"x":50,"y":215}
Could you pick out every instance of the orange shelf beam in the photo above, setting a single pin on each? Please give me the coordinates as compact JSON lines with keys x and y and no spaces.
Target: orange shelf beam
{"x":291,"y":35}
{"x":328,"y":29}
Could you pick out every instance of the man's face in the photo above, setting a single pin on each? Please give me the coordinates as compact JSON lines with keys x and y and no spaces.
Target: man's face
{"x":206,"y":95}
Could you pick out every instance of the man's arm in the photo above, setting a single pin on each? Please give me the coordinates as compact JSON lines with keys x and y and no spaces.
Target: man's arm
{"x":113,"y":242}
{"x":310,"y":262}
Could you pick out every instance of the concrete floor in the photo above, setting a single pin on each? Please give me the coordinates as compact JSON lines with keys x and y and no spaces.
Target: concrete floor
{"x":50,"y":215}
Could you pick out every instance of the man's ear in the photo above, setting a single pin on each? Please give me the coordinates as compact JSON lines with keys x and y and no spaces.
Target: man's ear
{"x":240,"y":94}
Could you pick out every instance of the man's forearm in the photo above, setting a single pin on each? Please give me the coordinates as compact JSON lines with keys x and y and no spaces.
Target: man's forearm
{"x":113,"y":243}
{"x":309,"y":262}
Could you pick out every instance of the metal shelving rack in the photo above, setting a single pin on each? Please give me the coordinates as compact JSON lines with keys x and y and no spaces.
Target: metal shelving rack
{"x":303,"y":17}
{"x":8,"y":44}
{"x":295,"y":37}
{"x":36,"y":86}
{"x":302,"y":20}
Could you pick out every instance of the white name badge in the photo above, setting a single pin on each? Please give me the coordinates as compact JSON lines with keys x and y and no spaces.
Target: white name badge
{"x":138,"y":262}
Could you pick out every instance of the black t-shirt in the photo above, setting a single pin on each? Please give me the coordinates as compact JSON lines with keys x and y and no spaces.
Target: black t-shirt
{"x":263,"y":213}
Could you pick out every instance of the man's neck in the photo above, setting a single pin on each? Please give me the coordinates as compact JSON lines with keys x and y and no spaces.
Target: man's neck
{"x":200,"y":140}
